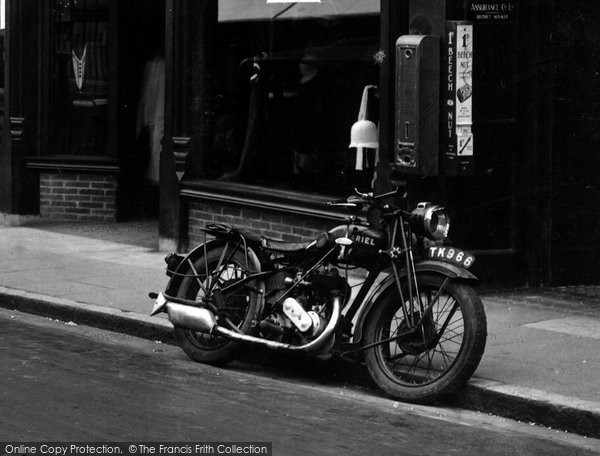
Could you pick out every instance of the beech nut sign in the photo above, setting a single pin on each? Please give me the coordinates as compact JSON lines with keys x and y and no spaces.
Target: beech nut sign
{"x":457,"y":134}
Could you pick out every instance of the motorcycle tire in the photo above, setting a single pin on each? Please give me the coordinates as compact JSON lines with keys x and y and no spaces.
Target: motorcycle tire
{"x":441,"y":356}
{"x":241,"y":306}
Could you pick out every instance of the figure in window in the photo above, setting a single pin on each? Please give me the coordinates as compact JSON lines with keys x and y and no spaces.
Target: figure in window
{"x":308,"y":129}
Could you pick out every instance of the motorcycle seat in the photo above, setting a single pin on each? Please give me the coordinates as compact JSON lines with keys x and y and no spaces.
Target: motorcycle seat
{"x":282,"y":246}
{"x":274,"y":245}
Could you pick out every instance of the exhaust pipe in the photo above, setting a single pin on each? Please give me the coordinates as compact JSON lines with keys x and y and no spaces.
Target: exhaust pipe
{"x":204,"y":321}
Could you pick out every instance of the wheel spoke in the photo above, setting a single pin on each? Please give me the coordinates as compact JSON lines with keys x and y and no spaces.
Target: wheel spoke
{"x":227,"y":262}
{"x":443,"y":310}
{"x":445,"y":355}
{"x":443,"y":329}
{"x":401,"y":355}
{"x":451,"y":341}
{"x":430,"y":361}
{"x":197,"y":276}
{"x":416,"y":362}
{"x":216,"y":271}
{"x":452,"y":334}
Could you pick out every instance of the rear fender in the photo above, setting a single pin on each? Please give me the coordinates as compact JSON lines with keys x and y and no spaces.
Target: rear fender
{"x":429,"y":266}
{"x":184,"y":266}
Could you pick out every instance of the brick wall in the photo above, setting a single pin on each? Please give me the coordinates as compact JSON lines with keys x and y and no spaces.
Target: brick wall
{"x":274,"y":224}
{"x":78,"y":196}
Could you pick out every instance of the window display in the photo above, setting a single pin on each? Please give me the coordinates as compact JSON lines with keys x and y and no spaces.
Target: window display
{"x":291,"y":82}
{"x":80,"y":73}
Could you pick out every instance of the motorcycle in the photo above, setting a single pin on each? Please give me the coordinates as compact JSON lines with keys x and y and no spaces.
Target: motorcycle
{"x":415,"y":320}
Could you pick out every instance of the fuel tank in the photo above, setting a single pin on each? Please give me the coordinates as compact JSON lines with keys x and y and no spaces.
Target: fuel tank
{"x":366,"y":242}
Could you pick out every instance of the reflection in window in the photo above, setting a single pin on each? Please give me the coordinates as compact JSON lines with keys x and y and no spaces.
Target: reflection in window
{"x":80,"y":76}
{"x":291,"y":83}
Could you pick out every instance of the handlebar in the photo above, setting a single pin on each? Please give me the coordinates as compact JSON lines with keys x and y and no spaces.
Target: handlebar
{"x":341,"y":203}
{"x":357,"y":201}
{"x":396,"y":192}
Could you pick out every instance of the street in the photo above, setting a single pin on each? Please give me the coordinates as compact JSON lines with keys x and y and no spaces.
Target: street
{"x":63,"y":382}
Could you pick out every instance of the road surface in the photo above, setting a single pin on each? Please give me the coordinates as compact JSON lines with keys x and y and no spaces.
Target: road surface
{"x":63,"y":382}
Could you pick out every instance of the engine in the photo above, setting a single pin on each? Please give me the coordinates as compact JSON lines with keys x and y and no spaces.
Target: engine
{"x":298,"y":306}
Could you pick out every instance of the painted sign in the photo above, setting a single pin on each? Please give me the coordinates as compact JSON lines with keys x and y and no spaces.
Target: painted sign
{"x":492,"y":11}
{"x":458,"y":153}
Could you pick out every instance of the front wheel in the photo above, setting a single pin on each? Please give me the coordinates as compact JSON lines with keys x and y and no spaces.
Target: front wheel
{"x":421,"y":351}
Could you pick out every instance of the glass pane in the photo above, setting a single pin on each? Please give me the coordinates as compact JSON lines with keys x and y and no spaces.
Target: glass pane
{"x":291,"y":82}
{"x":80,"y":76}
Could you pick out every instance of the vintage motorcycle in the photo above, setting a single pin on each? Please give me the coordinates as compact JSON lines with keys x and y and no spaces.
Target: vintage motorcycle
{"x":415,"y":320}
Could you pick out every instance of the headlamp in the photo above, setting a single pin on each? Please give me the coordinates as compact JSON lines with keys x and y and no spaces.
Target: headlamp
{"x":430,"y":220}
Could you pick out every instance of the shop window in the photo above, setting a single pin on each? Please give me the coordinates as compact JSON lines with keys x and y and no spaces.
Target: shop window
{"x":291,"y":82}
{"x":79,"y":78}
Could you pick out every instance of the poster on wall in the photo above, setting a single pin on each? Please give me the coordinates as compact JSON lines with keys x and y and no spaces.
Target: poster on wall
{"x":458,"y":149}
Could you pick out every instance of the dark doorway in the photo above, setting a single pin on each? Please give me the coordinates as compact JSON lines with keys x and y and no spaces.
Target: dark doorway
{"x":143,"y":82}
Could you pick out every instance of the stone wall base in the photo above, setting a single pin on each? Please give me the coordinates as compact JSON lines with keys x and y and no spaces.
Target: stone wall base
{"x":16,"y":219}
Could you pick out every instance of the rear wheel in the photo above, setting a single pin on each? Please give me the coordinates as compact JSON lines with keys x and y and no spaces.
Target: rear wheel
{"x":436,"y":358}
{"x":212,"y":273}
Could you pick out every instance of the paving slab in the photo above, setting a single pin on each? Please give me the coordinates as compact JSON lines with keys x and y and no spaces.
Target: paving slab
{"x":536,"y":358}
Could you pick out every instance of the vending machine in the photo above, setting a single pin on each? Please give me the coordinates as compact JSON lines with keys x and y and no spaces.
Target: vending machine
{"x":416,"y":132}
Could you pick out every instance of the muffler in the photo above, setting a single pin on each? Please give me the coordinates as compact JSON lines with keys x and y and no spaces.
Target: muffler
{"x":204,"y":321}
{"x":185,"y":316}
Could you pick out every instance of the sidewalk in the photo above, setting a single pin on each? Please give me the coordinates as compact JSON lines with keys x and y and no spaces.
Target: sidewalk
{"x":541,"y":365}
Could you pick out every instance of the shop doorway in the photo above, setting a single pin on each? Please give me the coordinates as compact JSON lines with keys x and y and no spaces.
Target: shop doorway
{"x":143,"y":46}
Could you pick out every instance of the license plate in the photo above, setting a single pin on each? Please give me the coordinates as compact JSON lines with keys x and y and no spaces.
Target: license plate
{"x":451,"y":255}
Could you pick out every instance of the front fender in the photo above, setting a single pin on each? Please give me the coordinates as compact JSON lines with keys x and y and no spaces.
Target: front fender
{"x":446,"y":269}
{"x":428,"y":266}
